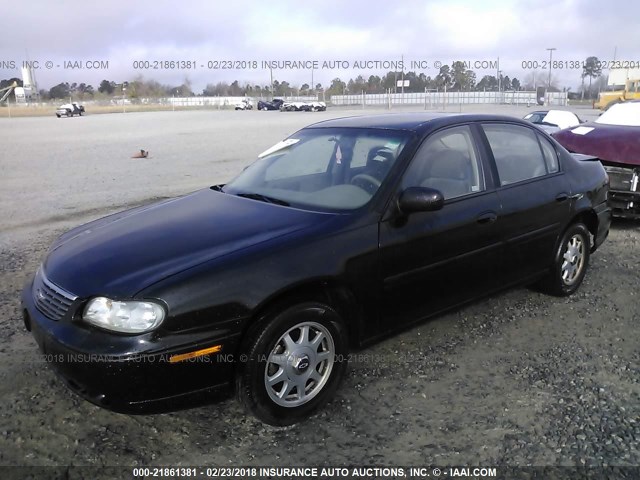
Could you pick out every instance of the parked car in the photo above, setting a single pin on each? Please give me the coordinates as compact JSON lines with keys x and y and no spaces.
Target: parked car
{"x":69,"y":110}
{"x":299,"y":106}
{"x":346,"y":231}
{"x":614,"y":138}
{"x":318,"y":106}
{"x":274,"y":104}
{"x":553,"y":120}
{"x":245,"y":104}
{"x":294,"y":106}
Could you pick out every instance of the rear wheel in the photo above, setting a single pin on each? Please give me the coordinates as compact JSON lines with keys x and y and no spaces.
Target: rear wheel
{"x":294,"y":363}
{"x":570,"y":262}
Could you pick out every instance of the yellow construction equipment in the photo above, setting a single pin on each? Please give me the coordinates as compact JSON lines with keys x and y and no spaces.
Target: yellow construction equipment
{"x":631,"y":92}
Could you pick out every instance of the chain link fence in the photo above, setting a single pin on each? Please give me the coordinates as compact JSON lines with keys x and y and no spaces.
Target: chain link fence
{"x":432,"y":100}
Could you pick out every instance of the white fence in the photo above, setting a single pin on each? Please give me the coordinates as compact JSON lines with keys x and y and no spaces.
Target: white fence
{"x":217,"y":101}
{"x":440,"y":99}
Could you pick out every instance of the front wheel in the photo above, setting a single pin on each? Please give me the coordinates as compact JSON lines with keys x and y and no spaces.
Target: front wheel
{"x":294,"y":364}
{"x":570,"y":262}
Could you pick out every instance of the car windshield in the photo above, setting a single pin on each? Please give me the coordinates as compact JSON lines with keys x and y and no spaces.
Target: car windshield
{"x":559,"y":118}
{"x":322,"y":168}
{"x":536,"y":117}
{"x":626,"y":114}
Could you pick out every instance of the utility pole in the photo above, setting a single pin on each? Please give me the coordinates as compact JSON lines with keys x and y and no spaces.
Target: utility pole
{"x":402,"y":62}
{"x":271,"y":74}
{"x":550,"y":68}
{"x":124,"y":97}
{"x":550,"y":65}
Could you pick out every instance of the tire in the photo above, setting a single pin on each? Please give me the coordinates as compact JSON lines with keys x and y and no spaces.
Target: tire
{"x":570,"y":263}
{"x":281,"y":357}
{"x":58,"y":115}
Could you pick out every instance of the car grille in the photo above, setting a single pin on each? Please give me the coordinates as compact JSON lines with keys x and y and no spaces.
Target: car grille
{"x":50,"y":299}
{"x":622,"y":179}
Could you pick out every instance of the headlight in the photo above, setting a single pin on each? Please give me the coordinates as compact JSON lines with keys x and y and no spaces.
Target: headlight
{"x":126,"y":317}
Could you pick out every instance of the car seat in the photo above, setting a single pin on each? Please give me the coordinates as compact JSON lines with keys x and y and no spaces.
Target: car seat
{"x":379,"y":161}
{"x":448,"y":171}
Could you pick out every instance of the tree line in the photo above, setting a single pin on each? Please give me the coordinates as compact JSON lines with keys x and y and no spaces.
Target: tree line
{"x":454,"y":77}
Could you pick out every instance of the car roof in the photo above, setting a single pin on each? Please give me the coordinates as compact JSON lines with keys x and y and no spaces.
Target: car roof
{"x":415,"y":122}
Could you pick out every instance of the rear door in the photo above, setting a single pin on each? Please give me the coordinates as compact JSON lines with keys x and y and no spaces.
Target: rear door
{"x":534,"y":194}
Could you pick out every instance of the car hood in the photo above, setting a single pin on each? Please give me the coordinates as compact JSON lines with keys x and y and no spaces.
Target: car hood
{"x":122,"y":254}
{"x":612,"y":143}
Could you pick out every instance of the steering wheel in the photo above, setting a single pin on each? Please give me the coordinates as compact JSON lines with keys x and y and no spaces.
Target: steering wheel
{"x":366,"y":182}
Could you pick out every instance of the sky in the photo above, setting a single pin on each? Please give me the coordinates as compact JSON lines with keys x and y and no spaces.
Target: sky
{"x":115,"y":37}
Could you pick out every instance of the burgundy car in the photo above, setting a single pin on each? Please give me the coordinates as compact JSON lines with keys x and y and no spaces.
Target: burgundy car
{"x":614,"y":138}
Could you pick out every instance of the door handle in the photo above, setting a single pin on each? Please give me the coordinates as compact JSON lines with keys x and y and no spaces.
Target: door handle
{"x":563,"y":197}
{"x":486,"y":218}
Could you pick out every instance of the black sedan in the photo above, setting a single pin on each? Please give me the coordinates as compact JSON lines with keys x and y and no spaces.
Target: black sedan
{"x":274,"y":104}
{"x":343,"y":233}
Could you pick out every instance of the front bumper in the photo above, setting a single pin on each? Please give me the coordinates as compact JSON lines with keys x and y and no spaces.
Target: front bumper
{"x":625,"y":204}
{"x":116,"y":372}
{"x":624,"y":191}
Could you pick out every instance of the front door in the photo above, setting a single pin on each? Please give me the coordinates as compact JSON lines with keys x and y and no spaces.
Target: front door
{"x":434,"y":260}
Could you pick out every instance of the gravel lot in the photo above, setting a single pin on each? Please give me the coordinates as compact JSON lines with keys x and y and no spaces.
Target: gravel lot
{"x":518,"y":379}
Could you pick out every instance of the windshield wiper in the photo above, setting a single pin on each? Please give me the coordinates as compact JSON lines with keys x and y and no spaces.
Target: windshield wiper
{"x":263,"y":198}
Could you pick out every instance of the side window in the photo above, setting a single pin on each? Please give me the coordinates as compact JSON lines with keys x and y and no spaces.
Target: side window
{"x":516,"y":151}
{"x":447,"y":161}
{"x":550,"y":155}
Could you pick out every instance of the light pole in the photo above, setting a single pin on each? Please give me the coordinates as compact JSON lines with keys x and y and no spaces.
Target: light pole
{"x":271,"y":77}
{"x":550,"y":64}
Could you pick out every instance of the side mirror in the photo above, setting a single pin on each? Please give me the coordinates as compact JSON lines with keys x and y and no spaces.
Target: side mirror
{"x":420,"y":199}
